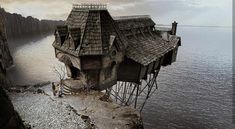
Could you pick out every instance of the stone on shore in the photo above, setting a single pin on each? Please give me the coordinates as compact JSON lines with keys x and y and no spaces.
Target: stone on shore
{"x":84,"y":110}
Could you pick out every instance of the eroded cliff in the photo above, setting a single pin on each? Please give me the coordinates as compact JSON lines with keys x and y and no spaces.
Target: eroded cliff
{"x":9,"y":119}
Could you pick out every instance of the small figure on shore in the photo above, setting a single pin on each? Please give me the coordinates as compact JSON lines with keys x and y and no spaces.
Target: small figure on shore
{"x":53,"y":88}
{"x":60,"y":91}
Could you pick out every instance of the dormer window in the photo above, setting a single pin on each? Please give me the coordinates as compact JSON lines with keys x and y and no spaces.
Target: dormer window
{"x":57,"y":37}
{"x":74,"y":37}
{"x":71,"y":42}
{"x":61,"y":33}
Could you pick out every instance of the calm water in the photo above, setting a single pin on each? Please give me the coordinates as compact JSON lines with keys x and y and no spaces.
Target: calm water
{"x":194,"y":93}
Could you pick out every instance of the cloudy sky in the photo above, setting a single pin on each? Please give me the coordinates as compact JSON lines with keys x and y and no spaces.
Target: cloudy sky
{"x":186,"y":12}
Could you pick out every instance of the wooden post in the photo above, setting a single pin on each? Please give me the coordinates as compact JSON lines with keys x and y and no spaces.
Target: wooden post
{"x":174,"y":28}
{"x":136,"y":97}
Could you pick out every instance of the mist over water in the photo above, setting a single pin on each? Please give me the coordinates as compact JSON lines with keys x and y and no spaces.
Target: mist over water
{"x":34,"y":61}
{"x":195,"y":92}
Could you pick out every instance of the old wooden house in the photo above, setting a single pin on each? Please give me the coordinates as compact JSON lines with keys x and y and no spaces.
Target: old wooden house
{"x":109,"y":49}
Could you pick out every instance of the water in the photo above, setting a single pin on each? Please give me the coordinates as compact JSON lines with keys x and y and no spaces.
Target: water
{"x":194,"y":93}
{"x":34,"y":61}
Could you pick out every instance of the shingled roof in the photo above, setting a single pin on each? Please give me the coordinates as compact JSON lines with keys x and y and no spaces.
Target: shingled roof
{"x":146,"y":49}
{"x":96,"y":27}
{"x":62,"y":29}
{"x":132,"y":22}
{"x":144,"y":44}
{"x":76,"y":35}
{"x":134,"y":34}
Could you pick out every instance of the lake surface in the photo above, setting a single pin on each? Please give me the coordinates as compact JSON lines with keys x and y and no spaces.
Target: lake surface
{"x":195,"y":92}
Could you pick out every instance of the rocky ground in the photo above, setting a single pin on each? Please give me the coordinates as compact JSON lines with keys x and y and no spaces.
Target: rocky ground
{"x":39,"y":109}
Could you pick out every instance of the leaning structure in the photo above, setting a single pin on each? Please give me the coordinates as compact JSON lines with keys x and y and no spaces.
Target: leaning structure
{"x":115,"y":53}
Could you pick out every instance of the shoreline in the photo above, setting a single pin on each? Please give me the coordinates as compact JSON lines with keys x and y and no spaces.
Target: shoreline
{"x":86,"y":106}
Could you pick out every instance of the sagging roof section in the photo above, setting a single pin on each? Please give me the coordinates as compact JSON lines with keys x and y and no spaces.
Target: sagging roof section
{"x":144,"y":44}
{"x":132,"y":22}
{"x":146,"y":49}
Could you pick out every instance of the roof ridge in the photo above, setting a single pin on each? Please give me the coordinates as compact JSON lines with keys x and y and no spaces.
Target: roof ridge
{"x":131,"y":17}
{"x":83,"y":6}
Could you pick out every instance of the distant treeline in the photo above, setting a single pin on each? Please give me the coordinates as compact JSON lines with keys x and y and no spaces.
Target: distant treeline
{"x":18,"y":26}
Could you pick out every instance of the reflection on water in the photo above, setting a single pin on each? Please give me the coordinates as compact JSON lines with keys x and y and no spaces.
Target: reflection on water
{"x":194,"y":93}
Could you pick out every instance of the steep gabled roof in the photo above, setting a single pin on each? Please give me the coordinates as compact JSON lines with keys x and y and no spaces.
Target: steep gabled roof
{"x":78,"y":19}
{"x":96,"y":27}
{"x":109,"y":29}
{"x":92,"y":42}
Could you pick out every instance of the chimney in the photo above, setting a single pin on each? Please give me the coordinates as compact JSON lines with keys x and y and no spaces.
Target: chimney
{"x":174,"y":28}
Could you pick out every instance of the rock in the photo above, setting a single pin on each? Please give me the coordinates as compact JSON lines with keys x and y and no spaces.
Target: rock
{"x":105,"y":98}
{"x":40,"y":91}
{"x":42,"y":112}
{"x":85,"y":117}
{"x":5,"y":56}
{"x":9,"y":118}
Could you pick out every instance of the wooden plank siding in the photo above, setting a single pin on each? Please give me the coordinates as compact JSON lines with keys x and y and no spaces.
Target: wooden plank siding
{"x":143,"y":71}
{"x":90,"y":62}
{"x":92,"y":77}
{"x":167,"y":59}
{"x":170,"y":57}
{"x":150,"y":68}
{"x":174,"y":55}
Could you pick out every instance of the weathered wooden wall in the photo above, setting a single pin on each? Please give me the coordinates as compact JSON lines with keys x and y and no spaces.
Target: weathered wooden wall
{"x":129,"y":71}
{"x":90,"y":62}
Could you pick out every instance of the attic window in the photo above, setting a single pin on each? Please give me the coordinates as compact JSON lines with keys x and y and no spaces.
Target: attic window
{"x":57,"y":37}
{"x":114,"y":53}
{"x":61,"y":34}
{"x":75,"y":34}
{"x":111,"y":40}
{"x":63,"y":38}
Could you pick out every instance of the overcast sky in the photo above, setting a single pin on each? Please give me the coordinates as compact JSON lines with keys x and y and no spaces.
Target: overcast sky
{"x":186,"y":12}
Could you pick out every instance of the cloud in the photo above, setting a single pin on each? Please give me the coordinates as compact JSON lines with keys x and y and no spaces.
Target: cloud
{"x":191,"y":12}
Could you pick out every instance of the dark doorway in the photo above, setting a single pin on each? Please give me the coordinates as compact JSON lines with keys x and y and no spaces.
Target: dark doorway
{"x":75,"y":72}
